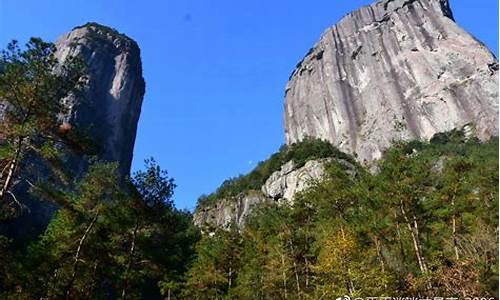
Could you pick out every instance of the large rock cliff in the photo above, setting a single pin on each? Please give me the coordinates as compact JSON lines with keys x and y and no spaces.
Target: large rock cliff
{"x":107,"y":111}
{"x":394,"y":70}
{"x":110,"y":105}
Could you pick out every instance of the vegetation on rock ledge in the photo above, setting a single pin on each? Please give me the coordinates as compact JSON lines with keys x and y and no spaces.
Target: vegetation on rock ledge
{"x":299,"y":153}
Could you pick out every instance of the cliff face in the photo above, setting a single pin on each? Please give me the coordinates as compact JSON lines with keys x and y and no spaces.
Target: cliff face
{"x":110,"y":105}
{"x":107,"y":111}
{"x":394,"y":70}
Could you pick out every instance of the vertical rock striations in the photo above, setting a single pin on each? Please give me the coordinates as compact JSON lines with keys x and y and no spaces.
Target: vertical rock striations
{"x":394,"y":70}
{"x":107,"y":111}
{"x":110,"y":105}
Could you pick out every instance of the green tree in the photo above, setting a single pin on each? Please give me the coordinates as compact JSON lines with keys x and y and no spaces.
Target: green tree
{"x":109,"y":240}
{"x":33,"y":85}
{"x":212,"y":274}
{"x":157,"y":238}
{"x":72,"y":259}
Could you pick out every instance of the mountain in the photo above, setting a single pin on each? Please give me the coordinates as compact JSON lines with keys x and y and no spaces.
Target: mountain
{"x":106,"y":111}
{"x":393,"y":70}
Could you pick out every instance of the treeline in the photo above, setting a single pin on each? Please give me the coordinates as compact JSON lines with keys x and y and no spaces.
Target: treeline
{"x":426,"y":224}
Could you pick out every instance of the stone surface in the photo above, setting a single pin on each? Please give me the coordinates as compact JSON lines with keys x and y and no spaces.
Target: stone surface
{"x":108,"y":111}
{"x":279,"y":188}
{"x":225,"y":212}
{"x":110,"y":106}
{"x":285,"y":183}
{"x":394,"y":70}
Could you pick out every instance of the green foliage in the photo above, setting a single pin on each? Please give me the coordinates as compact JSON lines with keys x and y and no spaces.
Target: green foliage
{"x":107,"y":241}
{"x":425,"y":224}
{"x":154,"y":185}
{"x":33,"y":84}
{"x":214,"y":271}
{"x":299,"y":153}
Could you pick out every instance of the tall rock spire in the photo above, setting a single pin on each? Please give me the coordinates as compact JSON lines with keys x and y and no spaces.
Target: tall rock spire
{"x":110,"y":105}
{"x":107,"y":111}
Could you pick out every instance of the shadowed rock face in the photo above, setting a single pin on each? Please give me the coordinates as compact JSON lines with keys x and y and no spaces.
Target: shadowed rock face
{"x":110,"y":106}
{"x":394,"y":70}
{"x":108,"y":111}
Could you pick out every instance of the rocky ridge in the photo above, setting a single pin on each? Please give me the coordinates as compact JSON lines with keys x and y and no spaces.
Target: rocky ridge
{"x":393,"y":70}
{"x":281,"y":187}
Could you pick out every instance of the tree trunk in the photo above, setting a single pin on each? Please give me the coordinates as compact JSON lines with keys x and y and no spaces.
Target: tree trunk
{"x":12,"y":166}
{"x":379,"y":254}
{"x":417,"y":246}
{"x":52,"y":287}
{"x":131,"y":253}
{"x":454,"y":227}
{"x":400,"y":240}
{"x":380,"y":257}
{"x":284,"y":275}
{"x":295,"y":269}
{"x":350,"y":284}
{"x":306,"y":261}
{"x":77,"y":257}
{"x":94,"y":273}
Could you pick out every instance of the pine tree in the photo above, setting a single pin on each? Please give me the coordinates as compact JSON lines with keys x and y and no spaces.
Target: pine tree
{"x":33,"y":86}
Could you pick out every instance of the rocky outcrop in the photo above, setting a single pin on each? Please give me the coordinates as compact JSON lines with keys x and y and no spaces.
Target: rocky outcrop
{"x":281,"y":187}
{"x":226,"y":212}
{"x":110,"y":105}
{"x":394,"y":70}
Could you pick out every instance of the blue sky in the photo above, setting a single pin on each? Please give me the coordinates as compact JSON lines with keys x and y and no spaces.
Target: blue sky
{"x":215,"y":70}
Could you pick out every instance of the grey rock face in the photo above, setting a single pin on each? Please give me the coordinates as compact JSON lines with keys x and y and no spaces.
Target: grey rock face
{"x":394,"y":70}
{"x":285,"y":183}
{"x":225,"y":212}
{"x":281,"y":187}
{"x":110,"y":106}
{"x":108,"y":111}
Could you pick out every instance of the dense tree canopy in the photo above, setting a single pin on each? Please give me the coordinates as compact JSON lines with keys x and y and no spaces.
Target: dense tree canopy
{"x":424,"y":222}
{"x":111,"y":237}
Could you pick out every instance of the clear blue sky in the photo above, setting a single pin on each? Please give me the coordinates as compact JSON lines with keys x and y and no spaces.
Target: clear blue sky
{"x":215,"y":70}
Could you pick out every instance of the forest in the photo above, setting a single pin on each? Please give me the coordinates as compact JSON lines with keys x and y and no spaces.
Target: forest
{"x":424,"y":223}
